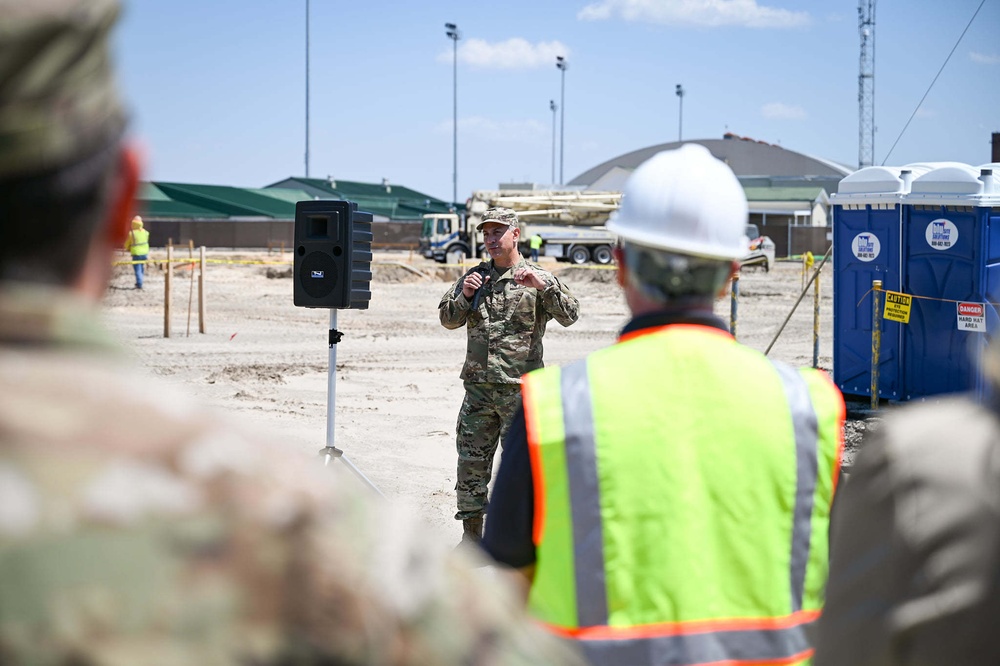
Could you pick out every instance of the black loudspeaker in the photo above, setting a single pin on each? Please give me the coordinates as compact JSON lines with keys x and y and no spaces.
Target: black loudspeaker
{"x":333,"y":255}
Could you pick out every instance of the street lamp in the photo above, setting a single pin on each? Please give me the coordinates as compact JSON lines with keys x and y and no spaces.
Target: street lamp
{"x":563,"y":66}
{"x":307,"y":88}
{"x":454,"y":35}
{"x":552,"y":108}
{"x":680,"y":118}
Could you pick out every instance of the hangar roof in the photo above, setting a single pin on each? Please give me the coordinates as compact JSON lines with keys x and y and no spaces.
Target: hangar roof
{"x":746,"y":157}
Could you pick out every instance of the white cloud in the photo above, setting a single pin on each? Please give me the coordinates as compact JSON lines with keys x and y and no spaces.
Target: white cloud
{"x":925,"y":113}
{"x":705,"y":13}
{"x":780,"y":111}
{"x":488,"y":129}
{"x":984,"y":58}
{"x":514,"y":53}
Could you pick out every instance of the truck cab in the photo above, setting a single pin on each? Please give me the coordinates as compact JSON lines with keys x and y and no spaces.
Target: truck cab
{"x":444,"y":237}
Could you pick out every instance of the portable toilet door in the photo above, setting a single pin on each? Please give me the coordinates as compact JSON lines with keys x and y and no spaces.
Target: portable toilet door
{"x":951,"y":250}
{"x":867,"y":220}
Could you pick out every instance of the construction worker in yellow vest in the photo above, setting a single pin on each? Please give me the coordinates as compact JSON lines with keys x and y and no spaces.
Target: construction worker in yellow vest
{"x":668,"y":498}
{"x":535,"y":243}
{"x":137,"y":244}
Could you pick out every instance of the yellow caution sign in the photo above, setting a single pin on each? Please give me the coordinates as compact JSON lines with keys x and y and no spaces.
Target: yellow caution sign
{"x":897,"y":307}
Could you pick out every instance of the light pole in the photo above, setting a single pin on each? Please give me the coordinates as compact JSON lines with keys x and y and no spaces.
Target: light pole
{"x":563,"y":66}
{"x":307,"y":88}
{"x":552,"y":108}
{"x":680,"y":117}
{"x":454,"y":35}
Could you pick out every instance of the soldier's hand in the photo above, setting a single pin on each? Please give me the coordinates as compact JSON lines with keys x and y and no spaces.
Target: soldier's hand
{"x":528,"y":277}
{"x":472,"y":282}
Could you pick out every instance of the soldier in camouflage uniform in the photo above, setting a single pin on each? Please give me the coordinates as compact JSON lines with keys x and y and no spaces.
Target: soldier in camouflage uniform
{"x":504,"y":304}
{"x":135,"y":527}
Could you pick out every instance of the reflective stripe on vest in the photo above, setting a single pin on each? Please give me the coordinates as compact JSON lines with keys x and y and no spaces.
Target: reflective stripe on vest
{"x":772,"y":639}
{"x":755,"y":646}
{"x":140,"y":242}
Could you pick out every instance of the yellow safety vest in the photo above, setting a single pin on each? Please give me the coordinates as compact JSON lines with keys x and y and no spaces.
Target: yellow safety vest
{"x":683,"y":485}
{"x":140,"y":242}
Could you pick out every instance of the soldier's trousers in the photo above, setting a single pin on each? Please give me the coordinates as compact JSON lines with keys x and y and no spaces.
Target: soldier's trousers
{"x":482,"y":422}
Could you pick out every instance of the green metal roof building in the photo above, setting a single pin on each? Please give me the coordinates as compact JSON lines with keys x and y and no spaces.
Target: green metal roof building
{"x":386,"y":202}
{"x":191,"y":201}
{"x":225,"y":216}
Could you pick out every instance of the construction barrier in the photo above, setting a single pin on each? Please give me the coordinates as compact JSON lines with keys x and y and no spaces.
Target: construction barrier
{"x":201,"y":261}
{"x":895,"y":306}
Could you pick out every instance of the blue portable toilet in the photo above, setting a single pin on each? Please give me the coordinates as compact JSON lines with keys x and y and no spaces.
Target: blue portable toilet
{"x":867,"y":223}
{"x":951,"y":265}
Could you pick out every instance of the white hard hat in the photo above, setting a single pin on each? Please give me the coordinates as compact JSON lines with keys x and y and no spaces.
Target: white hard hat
{"x":684,"y":201}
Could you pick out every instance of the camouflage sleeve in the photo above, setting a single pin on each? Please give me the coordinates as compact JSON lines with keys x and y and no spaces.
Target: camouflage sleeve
{"x":559,"y":303}
{"x":454,"y":307}
{"x":377,"y":588}
{"x":227,"y":550}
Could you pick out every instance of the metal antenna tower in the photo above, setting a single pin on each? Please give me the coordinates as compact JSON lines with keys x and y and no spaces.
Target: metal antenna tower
{"x":866,"y":84}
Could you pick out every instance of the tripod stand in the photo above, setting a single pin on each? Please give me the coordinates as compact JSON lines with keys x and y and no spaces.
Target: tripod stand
{"x":331,"y":452}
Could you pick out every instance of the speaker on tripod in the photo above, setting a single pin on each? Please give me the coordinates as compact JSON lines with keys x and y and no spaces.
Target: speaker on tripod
{"x":332,"y":268}
{"x":333,"y":255}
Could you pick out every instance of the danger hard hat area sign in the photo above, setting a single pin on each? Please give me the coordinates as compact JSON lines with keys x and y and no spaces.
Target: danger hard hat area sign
{"x":972,"y":317}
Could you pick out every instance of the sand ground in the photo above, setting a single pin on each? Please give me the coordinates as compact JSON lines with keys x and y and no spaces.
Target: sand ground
{"x":397,"y":390}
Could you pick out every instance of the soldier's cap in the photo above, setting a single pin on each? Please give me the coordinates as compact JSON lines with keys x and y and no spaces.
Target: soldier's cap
{"x":58,"y":97}
{"x":498,"y":215}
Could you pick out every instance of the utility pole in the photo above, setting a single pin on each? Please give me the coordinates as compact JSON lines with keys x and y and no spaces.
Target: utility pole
{"x":454,"y":35}
{"x":866,"y":84}
{"x":563,"y":66}
{"x":680,"y":115}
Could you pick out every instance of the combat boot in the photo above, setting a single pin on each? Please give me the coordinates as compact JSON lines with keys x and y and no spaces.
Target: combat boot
{"x":473,"y":530}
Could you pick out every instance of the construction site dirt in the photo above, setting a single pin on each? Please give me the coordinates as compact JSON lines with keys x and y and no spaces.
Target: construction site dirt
{"x":397,"y":388}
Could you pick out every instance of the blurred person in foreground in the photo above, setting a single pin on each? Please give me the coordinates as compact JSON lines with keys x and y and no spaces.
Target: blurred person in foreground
{"x":504,"y":304}
{"x":667,"y":498}
{"x":137,"y":245}
{"x":915,"y":545}
{"x":135,"y":527}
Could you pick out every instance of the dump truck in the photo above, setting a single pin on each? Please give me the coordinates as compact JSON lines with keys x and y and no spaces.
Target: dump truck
{"x":570,"y":222}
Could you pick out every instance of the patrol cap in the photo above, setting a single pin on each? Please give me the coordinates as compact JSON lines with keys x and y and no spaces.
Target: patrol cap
{"x":58,"y":98}
{"x":498,"y":215}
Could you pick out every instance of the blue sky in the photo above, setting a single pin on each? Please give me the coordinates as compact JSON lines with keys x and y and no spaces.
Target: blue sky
{"x":217,"y":87}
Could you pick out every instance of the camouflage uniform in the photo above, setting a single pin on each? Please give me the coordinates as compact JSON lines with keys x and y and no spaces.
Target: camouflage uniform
{"x":504,"y":342}
{"x":138,"y":528}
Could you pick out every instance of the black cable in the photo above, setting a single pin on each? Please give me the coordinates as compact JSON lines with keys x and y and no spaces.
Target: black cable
{"x":933,"y":82}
